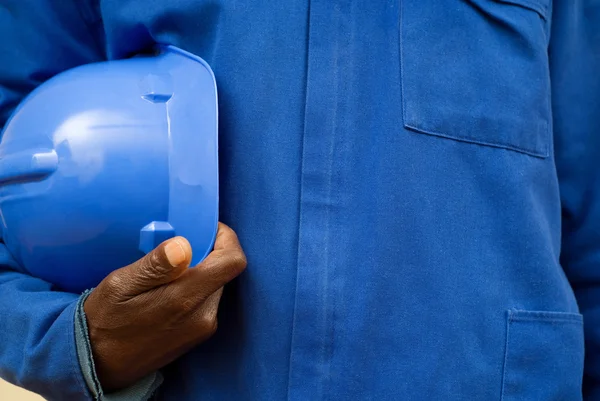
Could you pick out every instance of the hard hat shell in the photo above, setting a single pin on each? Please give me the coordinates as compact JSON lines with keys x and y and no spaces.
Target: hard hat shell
{"x":103,"y":162}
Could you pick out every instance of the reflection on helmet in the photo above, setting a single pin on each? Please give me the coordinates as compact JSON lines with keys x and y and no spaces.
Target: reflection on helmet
{"x":103,"y":162}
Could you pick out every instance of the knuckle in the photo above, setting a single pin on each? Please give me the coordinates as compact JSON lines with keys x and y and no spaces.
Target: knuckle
{"x":225,"y":229}
{"x":178,"y":303}
{"x":205,"y":321}
{"x":114,"y":282}
{"x":153,"y":267}
{"x":238,"y":262}
{"x":208,"y":325}
{"x":114,"y":287}
{"x":228,"y":266}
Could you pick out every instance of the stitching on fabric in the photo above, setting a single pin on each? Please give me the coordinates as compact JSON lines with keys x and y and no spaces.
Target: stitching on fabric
{"x":544,"y":153}
{"x":541,"y":316}
{"x":301,"y":196}
{"x":73,"y":353}
{"x":505,"y":362}
{"x":537,"y":317}
{"x":546,"y":320}
{"x":401,"y":51}
{"x":538,"y":7}
{"x":501,"y":145}
{"x":98,"y":387}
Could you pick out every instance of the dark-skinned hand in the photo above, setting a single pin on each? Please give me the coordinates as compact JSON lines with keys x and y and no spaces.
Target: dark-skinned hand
{"x":145,"y":315}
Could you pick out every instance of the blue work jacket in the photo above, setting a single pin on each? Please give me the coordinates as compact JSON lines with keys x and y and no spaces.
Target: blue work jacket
{"x":416,"y":184}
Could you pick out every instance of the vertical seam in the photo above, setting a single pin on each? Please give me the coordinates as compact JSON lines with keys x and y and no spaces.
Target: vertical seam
{"x":300,"y":197}
{"x":505,"y":362}
{"x":328,"y":291}
{"x":401,"y":61}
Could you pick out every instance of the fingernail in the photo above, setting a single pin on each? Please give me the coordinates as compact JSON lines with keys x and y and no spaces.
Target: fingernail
{"x":175,"y":253}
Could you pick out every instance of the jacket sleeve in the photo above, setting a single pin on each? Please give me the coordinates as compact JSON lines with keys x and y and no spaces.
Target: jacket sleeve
{"x":40,"y":38}
{"x":575,"y":72}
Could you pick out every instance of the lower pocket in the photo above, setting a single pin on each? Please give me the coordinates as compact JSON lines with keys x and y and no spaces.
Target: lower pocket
{"x":544,"y":356}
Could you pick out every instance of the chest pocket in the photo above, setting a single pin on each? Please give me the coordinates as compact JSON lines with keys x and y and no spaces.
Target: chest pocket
{"x":477,"y":71}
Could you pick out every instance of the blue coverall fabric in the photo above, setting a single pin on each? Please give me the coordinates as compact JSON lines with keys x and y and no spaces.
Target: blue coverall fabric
{"x":416,"y":184}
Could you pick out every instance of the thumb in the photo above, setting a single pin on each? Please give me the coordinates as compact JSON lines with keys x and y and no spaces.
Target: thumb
{"x":164,"y":264}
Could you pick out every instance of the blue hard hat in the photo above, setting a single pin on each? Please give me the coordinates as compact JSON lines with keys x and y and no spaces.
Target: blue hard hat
{"x":103,"y":162}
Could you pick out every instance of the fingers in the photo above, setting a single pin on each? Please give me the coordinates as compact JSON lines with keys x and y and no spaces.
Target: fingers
{"x":225,"y":263}
{"x":226,"y":239}
{"x":209,"y":309}
{"x":163,"y":265}
{"x":169,"y":262}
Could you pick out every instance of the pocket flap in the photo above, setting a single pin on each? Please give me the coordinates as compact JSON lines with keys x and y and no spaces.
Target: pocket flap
{"x":477,"y":72}
{"x":542,"y":7}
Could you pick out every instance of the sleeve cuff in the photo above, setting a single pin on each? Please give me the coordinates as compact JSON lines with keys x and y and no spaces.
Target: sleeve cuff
{"x":140,"y":391}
